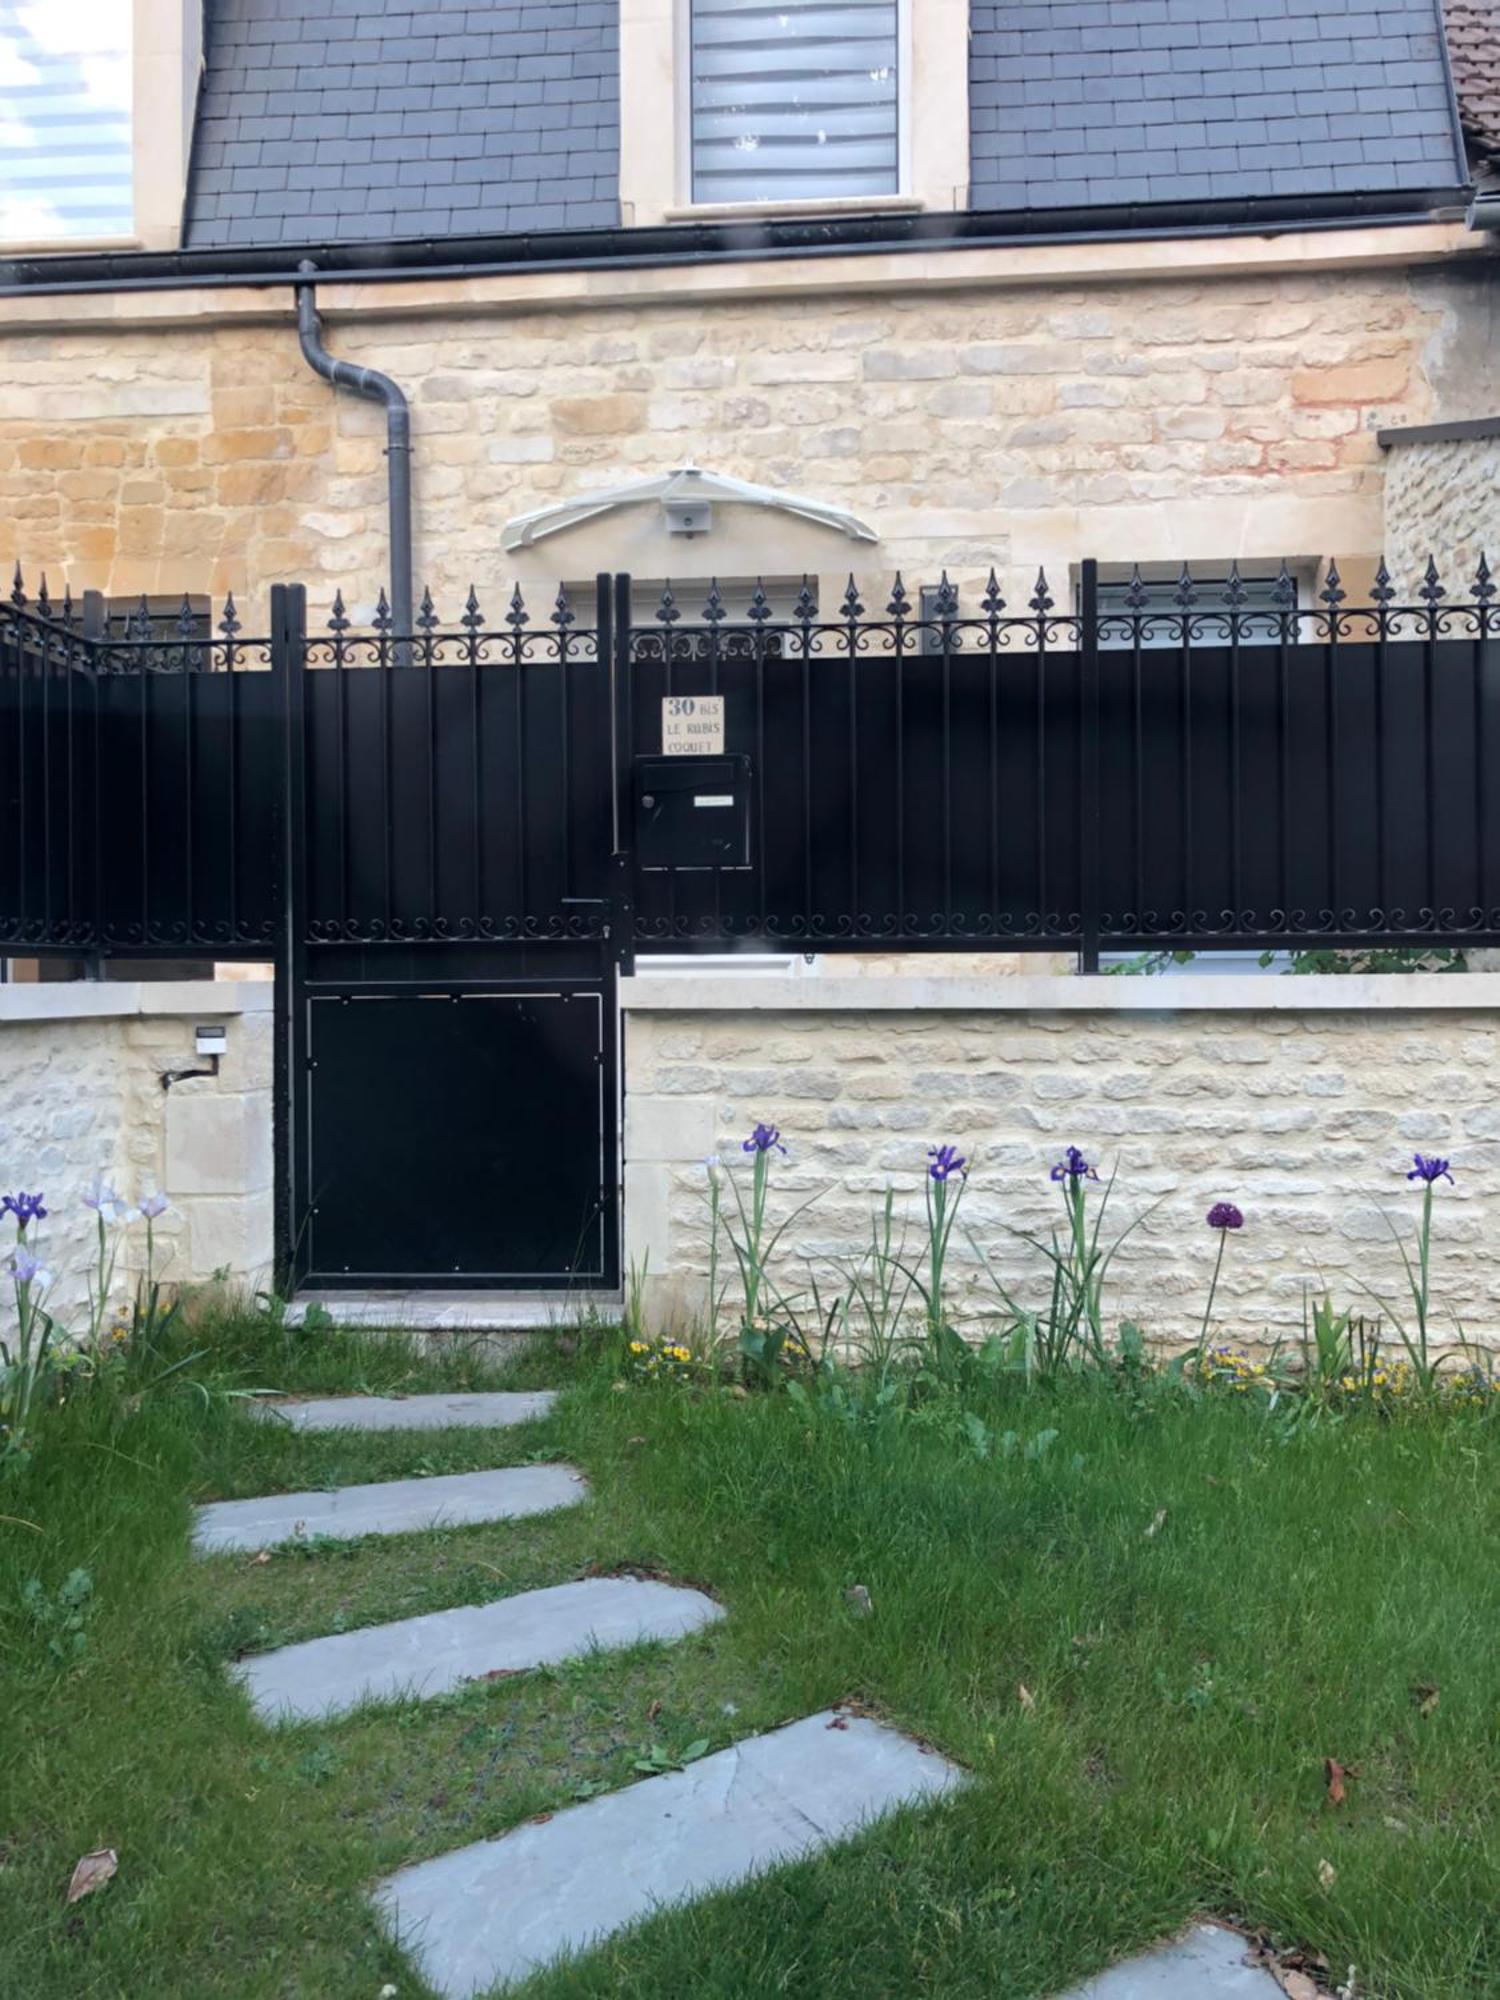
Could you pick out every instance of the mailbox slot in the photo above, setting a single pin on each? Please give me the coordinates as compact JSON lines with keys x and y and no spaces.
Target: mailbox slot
{"x":692,"y":812}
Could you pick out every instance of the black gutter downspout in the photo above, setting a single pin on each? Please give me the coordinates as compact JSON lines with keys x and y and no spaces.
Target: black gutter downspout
{"x":380,"y":389}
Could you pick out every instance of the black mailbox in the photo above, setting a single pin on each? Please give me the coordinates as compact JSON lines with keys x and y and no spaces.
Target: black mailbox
{"x":692,"y":812}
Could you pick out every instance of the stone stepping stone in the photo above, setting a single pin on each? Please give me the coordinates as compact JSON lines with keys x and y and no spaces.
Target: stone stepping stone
{"x":389,"y":1507}
{"x":1208,"y":1963}
{"x":412,"y":1413}
{"x":428,"y":1655}
{"x":499,"y":1910}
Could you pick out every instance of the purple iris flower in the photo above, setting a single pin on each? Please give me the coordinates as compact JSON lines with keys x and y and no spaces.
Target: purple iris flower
{"x":1428,"y":1169}
{"x":26,"y":1208}
{"x":946,"y":1160}
{"x":1074,"y":1167}
{"x":762,"y":1139}
{"x":153,"y":1205}
{"x":1224,"y":1215}
{"x":27,"y":1269}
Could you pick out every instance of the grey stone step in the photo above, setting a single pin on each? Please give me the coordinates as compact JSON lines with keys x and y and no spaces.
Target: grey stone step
{"x":497,"y":1911}
{"x":1207,"y":1963}
{"x":412,"y":1413}
{"x":494,"y":1312}
{"x":428,"y":1655}
{"x":389,"y":1507}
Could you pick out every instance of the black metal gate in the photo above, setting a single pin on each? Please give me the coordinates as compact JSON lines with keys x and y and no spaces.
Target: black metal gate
{"x":451,"y":841}
{"x":451,"y":1033}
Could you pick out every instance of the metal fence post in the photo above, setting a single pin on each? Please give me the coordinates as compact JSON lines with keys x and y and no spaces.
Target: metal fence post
{"x":289,"y":661}
{"x":616,"y":621}
{"x":1088,"y":763}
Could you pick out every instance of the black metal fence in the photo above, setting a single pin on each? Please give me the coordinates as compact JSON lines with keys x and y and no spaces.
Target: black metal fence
{"x":930,"y":773}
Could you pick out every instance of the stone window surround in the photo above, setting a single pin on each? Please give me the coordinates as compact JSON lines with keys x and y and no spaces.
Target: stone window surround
{"x":655,"y":151}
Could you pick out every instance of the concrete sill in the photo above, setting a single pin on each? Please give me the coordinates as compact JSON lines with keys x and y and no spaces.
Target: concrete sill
{"x":1028,"y":993}
{"x":761,"y":211}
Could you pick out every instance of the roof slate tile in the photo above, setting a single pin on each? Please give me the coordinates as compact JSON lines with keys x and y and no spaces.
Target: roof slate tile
{"x":1292,"y":96}
{"x":309,"y":107}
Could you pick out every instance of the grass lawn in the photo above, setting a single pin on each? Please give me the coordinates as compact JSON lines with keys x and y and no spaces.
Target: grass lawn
{"x":1187,"y":1673}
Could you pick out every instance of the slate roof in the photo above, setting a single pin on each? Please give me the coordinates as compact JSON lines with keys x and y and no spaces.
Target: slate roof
{"x":1474,"y":50}
{"x":344,"y":120}
{"x":1100,"y":101}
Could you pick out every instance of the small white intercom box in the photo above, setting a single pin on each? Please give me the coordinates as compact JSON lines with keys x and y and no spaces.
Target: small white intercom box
{"x":210,"y":1039}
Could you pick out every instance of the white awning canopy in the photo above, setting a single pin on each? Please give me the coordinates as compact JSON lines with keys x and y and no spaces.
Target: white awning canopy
{"x":678,"y":493}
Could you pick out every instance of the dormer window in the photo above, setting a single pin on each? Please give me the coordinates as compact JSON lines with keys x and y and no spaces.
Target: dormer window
{"x":795,"y":101}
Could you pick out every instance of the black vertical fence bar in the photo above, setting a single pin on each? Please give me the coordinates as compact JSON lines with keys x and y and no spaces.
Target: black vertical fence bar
{"x":289,"y":666}
{"x":615,"y":645}
{"x":1088,"y":763}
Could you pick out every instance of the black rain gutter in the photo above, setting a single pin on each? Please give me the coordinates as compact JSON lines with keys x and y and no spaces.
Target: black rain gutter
{"x":378,"y":388}
{"x":689,"y":243}
{"x":1461,"y":429}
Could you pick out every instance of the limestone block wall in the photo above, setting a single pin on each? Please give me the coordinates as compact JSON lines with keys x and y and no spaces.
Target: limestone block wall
{"x":81,"y":1095}
{"x":1443,"y":497}
{"x":180,"y":443}
{"x":1300,"y":1099}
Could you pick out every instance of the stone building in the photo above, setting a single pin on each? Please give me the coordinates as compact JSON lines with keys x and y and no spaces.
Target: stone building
{"x":1155,"y":281}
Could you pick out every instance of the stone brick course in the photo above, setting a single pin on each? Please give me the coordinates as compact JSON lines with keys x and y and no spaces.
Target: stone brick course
{"x":81,"y":1096}
{"x":1306,"y":1119}
{"x":1200,"y":416}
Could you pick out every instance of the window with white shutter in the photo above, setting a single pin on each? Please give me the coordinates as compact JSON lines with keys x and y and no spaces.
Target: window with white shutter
{"x":794,"y":101}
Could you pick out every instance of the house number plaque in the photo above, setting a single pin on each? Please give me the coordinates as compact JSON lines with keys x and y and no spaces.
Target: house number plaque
{"x":692,"y":725}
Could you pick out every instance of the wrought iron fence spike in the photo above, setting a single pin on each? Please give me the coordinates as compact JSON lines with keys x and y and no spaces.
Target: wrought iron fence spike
{"x":517,"y":615}
{"x":807,"y":604}
{"x":1042,"y":599}
{"x":900,"y":603}
{"x":229,"y":624}
{"x":1381,"y":590}
{"x":1284,"y":590}
{"x":562,"y":612}
{"x":992,"y":603}
{"x":187,"y":621}
{"x":1136,"y":595}
{"x":1432,"y":590}
{"x":713,"y":610}
{"x":1484,"y":582}
{"x":667,"y":612}
{"x":43,"y":601}
{"x":18,"y":590}
{"x":1234,"y":592}
{"x":339,"y":618}
{"x":945,"y":599}
{"x":1333,"y":592}
{"x":138,"y":624}
{"x":67,"y":603}
{"x":1187,"y":591}
{"x":852,"y":608}
{"x":760,"y":609}
{"x":427,"y":611}
{"x":382,"y":619}
{"x":473,"y":617}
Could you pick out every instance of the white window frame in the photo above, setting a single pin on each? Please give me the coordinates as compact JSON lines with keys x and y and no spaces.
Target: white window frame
{"x":932,"y":119}
{"x":683,"y":127}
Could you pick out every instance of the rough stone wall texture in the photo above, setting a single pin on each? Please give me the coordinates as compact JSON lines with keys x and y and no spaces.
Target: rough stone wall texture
{"x":1199,"y":417}
{"x":1306,"y":1119}
{"x":1443,"y":498}
{"x":83,"y":1097}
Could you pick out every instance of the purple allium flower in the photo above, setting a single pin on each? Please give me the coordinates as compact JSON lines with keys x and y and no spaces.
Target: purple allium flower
{"x":1224,"y":1215}
{"x":762,"y":1139}
{"x":1074,"y":1167}
{"x":26,"y":1208}
{"x":153,"y":1205}
{"x":946,"y":1160}
{"x":1428,"y":1169}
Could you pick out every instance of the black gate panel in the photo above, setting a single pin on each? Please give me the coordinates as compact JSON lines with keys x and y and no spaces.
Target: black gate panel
{"x":459,"y":1138}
